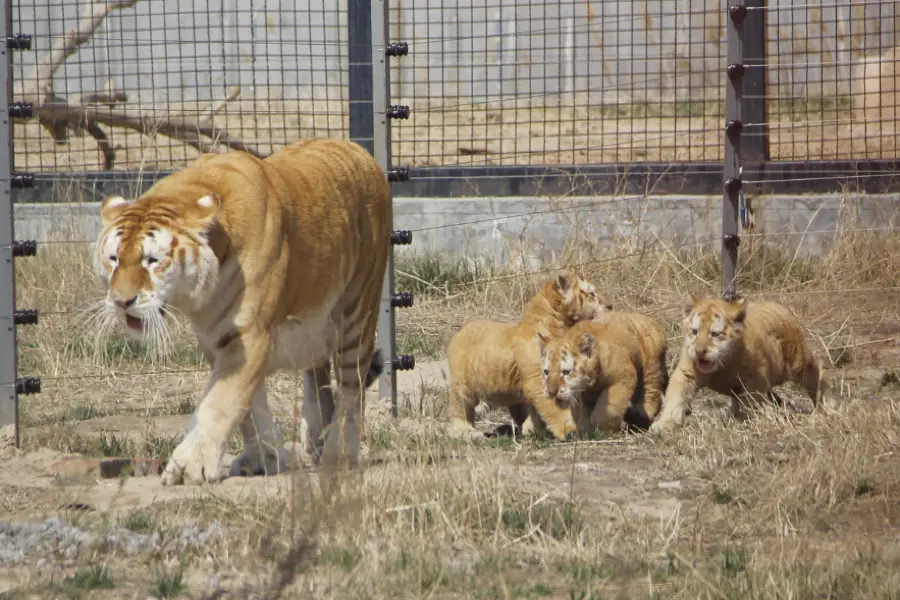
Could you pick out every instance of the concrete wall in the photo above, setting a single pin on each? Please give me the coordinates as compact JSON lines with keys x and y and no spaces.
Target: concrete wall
{"x":174,"y":50}
{"x":536,"y":229}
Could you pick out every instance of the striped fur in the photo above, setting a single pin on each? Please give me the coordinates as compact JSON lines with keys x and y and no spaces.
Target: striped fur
{"x":278,"y":265}
{"x":499,"y":363}
{"x":743,"y":350}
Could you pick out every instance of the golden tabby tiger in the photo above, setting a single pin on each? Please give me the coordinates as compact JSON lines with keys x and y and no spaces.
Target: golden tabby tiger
{"x":743,"y":350}
{"x":277,"y":264}
{"x":610,"y":370}
{"x":498,"y":363}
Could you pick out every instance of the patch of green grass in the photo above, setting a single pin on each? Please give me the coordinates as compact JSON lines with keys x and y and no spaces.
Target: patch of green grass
{"x":890,"y":379}
{"x":551,"y":519}
{"x":863,"y":487}
{"x":722,"y":495}
{"x":117,"y":349}
{"x":346,"y":558}
{"x":425,"y":345}
{"x":168,"y":582}
{"x":430,"y":274}
{"x":733,"y":561}
{"x":93,"y":577}
{"x":139,"y":522}
{"x":84,"y":412}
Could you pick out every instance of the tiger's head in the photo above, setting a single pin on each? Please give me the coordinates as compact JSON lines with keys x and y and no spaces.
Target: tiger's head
{"x":568,"y":297}
{"x":570,"y":364}
{"x":714,"y":331}
{"x":154,"y":254}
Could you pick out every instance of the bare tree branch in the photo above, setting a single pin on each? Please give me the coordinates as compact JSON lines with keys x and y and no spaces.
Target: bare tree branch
{"x":87,"y":112}
{"x":179,"y":128}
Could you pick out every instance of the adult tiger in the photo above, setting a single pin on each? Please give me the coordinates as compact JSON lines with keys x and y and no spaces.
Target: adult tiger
{"x":277,"y":264}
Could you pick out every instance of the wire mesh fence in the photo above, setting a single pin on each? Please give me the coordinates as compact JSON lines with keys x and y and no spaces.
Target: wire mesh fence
{"x":149,"y":85}
{"x":560,"y":82}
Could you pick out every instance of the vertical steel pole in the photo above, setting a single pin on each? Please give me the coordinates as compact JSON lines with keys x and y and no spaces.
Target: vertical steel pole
{"x":381,"y":86}
{"x":9,"y":405}
{"x":732,"y":164}
{"x":753,"y":104}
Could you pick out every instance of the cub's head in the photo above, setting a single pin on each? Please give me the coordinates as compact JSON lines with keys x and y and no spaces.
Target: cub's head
{"x":152,"y":254}
{"x":714,"y":330}
{"x":572,"y":298}
{"x":569,"y":364}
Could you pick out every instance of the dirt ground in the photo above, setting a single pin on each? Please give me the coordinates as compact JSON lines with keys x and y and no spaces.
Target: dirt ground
{"x":786,"y":505}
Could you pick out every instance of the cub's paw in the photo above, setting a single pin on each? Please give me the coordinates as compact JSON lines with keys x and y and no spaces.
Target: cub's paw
{"x":194,"y":461}
{"x":256,"y":462}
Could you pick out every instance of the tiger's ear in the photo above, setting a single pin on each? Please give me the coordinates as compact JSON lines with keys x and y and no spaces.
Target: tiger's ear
{"x":542,"y":338}
{"x":206,"y":210}
{"x":586,"y":344}
{"x":688,"y":303}
{"x":112,"y":207}
{"x":564,"y":281}
{"x":740,"y":309}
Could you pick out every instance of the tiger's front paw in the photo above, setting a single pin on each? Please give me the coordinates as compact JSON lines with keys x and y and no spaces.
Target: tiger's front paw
{"x":194,"y":461}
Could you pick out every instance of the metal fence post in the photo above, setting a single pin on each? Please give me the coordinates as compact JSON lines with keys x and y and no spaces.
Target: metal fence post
{"x":755,"y":146}
{"x":732,"y":166}
{"x":9,"y":406}
{"x":370,"y":86}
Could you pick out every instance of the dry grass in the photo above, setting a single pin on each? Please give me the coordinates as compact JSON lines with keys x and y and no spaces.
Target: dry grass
{"x":798,"y":506}
{"x":571,"y":131}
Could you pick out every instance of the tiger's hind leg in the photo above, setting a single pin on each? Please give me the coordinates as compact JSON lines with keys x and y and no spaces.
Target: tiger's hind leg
{"x":264,"y":452}
{"x":318,"y":407}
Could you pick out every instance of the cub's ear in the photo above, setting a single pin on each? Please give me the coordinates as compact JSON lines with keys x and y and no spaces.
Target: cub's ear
{"x":687,"y":305}
{"x":206,"y":210}
{"x":586,"y":344}
{"x":740,"y":309}
{"x":564,"y":281}
{"x":542,"y":338}
{"x":112,"y":207}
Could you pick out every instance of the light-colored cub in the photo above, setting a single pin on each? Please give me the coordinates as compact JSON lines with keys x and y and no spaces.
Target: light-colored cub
{"x":611,"y":371}
{"x":743,"y":350}
{"x":498,"y":363}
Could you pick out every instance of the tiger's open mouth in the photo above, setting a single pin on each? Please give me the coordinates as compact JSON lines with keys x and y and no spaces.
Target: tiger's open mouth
{"x":705,"y":366}
{"x":137,"y":323}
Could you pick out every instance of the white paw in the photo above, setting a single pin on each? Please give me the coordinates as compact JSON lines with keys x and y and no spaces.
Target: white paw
{"x":194,"y":461}
{"x":663,"y":426}
{"x":254,"y":462}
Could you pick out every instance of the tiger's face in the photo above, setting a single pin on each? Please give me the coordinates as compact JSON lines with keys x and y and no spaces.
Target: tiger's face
{"x":153,"y":256}
{"x":714,"y":330}
{"x":579,"y":298}
{"x":569,"y":366}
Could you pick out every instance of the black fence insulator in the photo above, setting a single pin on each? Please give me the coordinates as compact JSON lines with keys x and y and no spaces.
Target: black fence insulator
{"x":28,"y":385}
{"x":734,"y":127}
{"x":736,"y":71}
{"x":25,"y":317}
{"x":18,"y":41}
{"x":20,"y":110}
{"x":401,"y":237}
{"x":397,"y":49}
{"x":738,"y":13}
{"x":398,"y":111}
{"x":398,"y":174}
{"x":404,"y":362}
{"x":731,"y":241}
{"x":21,"y":180}
{"x":24,"y":248}
{"x":733,"y":185}
{"x":402,"y":300}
